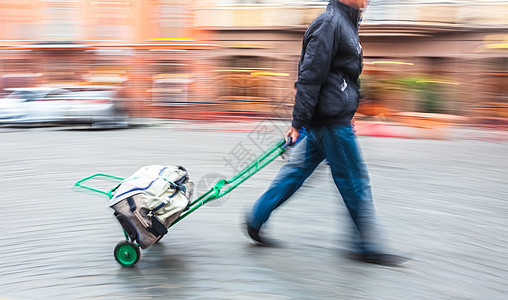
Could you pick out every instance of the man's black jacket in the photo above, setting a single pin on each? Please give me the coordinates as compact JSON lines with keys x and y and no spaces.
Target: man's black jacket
{"x":330,"y":64}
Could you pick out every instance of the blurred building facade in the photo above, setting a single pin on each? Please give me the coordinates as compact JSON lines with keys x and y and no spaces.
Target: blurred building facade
{"x":149,"y":48}
{"x":438,"y":56}
{"x":188,"y":58}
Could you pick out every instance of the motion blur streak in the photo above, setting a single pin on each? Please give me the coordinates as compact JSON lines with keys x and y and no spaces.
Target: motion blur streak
{"x":209,"y":85}
{"x":230,"y":60}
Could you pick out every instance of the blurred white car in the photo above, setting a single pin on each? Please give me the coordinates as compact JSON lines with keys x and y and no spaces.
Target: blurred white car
{"x":91,"y":105}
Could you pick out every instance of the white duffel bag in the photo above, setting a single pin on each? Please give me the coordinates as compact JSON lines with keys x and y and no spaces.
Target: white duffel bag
{"x":150,"y":200}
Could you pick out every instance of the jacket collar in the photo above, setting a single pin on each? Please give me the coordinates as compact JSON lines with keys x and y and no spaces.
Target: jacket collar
{"x":352,"y":13}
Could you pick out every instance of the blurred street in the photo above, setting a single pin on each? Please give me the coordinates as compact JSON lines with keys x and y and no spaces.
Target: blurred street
{"x":442,"y":202}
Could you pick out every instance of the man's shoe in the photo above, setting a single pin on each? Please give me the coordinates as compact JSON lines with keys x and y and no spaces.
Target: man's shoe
{"x":384,"y":259}
{"x":257,"y":238}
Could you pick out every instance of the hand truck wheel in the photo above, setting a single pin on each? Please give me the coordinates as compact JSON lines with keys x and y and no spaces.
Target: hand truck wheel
{"x":126,"y":253}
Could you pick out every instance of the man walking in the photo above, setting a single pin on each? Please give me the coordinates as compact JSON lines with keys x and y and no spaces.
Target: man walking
{"x":326,"y":100}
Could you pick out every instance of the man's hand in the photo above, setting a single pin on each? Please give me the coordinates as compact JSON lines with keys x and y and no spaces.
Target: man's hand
{"x":294,"y":134}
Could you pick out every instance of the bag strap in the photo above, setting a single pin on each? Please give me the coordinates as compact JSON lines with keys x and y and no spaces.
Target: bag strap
{"x":157,"y":227}
{"x":185,"y":177}
{"x":165,"y":202}
{"x":132,"y":203}
{"x":177,"y":187}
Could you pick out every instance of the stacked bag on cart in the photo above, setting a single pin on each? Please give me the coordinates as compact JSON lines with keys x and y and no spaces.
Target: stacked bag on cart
{"x":150,"y":200}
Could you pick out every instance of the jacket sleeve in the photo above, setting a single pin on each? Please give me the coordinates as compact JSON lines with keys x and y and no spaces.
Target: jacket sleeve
{"x":313,"y":70}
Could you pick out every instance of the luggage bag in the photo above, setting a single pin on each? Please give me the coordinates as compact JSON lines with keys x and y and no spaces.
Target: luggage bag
{"x":155,"y":198}
{"x":150,"y":200}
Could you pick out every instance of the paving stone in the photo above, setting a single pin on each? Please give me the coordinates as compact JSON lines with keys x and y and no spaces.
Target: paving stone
{"x":442,"y":202}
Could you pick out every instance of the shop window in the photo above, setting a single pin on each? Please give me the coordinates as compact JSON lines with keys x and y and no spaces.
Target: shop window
{"x":18,"y":66}
{"x":241,"y":78}
{"x":61,"y":72}
{"x":106,"y":72}
{"x":252,"y":84}
{"x":19,"y":73}
{"x":495,"y":79}
{"x":171,"y":83}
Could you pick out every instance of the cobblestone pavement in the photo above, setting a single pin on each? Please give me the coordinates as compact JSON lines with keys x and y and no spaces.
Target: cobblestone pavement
{"x":442,"y":202}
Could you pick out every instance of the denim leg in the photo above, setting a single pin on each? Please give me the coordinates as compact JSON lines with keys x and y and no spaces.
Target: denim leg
{"x":304,"y":159}
{"x":351,"y":178}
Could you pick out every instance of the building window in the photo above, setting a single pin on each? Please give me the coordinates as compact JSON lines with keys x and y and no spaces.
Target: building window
{"x":112,"y":20}
{"x":249,"y":1}
{"x":61,"y":18}
{"x":19,"y":20}
{"x":172,"y":19}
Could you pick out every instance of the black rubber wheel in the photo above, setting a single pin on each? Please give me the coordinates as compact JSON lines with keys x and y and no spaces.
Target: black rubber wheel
{"x":126,"y":253}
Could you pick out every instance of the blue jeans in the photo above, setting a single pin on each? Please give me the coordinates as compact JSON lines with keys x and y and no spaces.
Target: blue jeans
{"x":339,"y":146}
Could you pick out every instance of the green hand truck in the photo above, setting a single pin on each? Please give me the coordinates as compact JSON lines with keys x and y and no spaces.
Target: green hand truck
{"x":127,"y":252}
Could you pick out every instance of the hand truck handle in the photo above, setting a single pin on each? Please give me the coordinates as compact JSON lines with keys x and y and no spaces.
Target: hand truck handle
{"x":109,"y":193}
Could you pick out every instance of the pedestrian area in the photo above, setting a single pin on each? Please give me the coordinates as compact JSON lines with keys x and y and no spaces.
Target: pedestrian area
{"x":442,"y":202}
